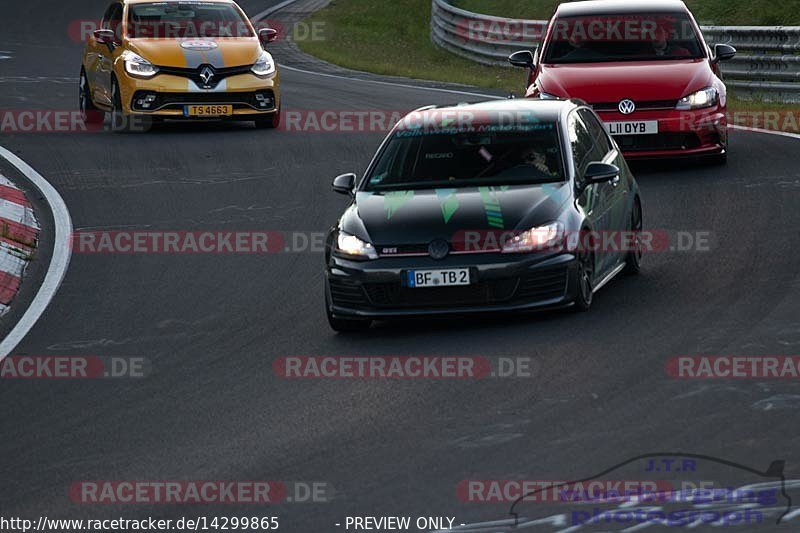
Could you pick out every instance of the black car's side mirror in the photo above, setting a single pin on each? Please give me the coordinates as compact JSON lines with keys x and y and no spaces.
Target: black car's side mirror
{"x":267,"y":35}
{"x":724,"y":52}
{"x":523,"y":58}
{"x":345,"y":184}
{"x":600,"y":173}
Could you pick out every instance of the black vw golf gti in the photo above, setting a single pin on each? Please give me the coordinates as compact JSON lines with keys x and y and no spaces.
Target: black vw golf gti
{"x":499,"y":206}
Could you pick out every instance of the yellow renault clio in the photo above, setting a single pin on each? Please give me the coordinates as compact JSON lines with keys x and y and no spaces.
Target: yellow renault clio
{"x":179,"y":59}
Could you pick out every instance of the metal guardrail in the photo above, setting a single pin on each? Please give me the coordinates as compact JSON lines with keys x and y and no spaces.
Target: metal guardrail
{"x":767,"y":65}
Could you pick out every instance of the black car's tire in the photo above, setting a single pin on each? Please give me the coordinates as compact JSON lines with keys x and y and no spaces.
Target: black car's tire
{"x":633,"y":260}
{"x":122,"y":123}
{"x":269,"y":122}
{"x":89,"y":112}
{"x":345,"y":325}
{"x":585,"y":277}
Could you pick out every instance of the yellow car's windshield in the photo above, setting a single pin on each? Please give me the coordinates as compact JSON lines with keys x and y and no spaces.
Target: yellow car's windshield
{"x":185,"y":20}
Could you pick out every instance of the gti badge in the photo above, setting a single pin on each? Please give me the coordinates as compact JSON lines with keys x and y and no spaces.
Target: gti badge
{"x":438,"y":249}
{"x":626,"y":107}
{"x":206,"y":74}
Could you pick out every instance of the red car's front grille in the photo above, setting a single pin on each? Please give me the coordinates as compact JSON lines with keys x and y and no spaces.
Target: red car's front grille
{"x":650,"y":105}
{"x":659,"y":141}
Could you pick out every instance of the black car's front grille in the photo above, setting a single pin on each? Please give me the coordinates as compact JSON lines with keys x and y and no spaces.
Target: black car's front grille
{"x":241,"y":100}
{"x":542,"y":285}
{"x":486,"y":292}
{"x":196,"y":74}
{"x":658,"y":141}
{"x":347,"y":294}
{"x":538,"y":286}
{"x":650,"y":105}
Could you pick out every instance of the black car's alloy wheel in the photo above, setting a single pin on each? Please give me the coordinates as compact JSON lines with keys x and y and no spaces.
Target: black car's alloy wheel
{"x":585,"y":293}
{"x":633,"y":260}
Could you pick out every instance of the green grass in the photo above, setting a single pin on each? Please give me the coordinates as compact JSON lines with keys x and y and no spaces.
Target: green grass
{"x":724,"y":12}
{"x":393,"y":38}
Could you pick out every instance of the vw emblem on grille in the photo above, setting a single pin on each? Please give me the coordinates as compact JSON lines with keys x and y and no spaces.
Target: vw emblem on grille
{"x":626,"y":107}
{"x":206,"y":74}
{"x":438,"y":249}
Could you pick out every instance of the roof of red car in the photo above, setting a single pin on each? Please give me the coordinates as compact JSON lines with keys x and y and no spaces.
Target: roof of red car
{"x":618,"y":7}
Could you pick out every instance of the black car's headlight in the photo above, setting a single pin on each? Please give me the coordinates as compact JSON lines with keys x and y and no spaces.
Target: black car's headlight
{"x":707,"y":97}
{"x":137,"y":66}
{"x":351,"y":246}
{"x":535,"y":239}
{"x":265,"y":65}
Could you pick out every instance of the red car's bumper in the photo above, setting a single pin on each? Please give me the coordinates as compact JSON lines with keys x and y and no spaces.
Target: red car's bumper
{"x":680,"y":133}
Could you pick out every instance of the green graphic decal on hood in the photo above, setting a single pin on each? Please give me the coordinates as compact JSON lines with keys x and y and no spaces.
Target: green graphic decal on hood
{"x":392,"y":201}
{"x":494,"y":215}
{"x":449,"y":201}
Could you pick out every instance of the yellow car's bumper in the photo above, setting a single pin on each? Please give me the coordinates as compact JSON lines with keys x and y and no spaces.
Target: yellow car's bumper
{"x":167,"y":95}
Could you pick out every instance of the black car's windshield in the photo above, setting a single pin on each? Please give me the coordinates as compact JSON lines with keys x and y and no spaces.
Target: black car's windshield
{"x":647,"y":37}
{"x":172,"y":20}
{"x":489,"y":155}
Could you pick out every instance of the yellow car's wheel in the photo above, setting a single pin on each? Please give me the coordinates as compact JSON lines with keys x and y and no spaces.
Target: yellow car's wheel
{"x":89,"y":112}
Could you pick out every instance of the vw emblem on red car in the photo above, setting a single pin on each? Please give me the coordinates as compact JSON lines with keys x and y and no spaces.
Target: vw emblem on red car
{"x":626,"y":107}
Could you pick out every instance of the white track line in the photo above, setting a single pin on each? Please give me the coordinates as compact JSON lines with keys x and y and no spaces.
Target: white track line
{"x":269,"y":11}
{"x":405,"y":85}
{"x":58,"y":262}
{"x":770,"y":132}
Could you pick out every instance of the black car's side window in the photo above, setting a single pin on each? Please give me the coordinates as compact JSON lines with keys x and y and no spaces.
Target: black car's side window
{"x":598,"y":133}
{"x":582,"y":146}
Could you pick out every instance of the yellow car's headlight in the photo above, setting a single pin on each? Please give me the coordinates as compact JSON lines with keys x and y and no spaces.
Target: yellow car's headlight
{"x":137,"y":66}
{"x":265,"y":65}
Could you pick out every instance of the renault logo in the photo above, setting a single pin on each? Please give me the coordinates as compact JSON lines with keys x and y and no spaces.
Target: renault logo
{"x":207,"y":74}
{"x":626,"y":107}
{"x":438,"y":249}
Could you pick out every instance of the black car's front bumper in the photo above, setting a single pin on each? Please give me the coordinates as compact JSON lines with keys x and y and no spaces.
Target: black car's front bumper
{"x":501,"y":282}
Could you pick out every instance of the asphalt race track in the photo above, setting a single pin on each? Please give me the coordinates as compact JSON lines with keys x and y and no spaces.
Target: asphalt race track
{"x":212,"y":325}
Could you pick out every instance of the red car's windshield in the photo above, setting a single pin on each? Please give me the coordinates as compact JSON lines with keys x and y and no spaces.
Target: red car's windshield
{"x":644,"y":37}
{"x":171,"y":20}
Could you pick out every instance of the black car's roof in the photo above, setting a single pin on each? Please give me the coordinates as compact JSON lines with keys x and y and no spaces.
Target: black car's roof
{"x":619,"y":7}
{"x":491,"y":111}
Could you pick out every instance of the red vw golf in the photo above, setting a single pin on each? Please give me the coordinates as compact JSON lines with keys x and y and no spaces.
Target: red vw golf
{"x":645,"y":69}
